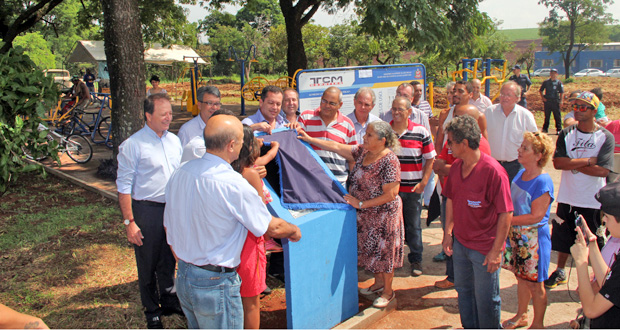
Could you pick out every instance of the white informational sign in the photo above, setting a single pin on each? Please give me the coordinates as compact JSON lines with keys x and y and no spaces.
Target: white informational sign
{"x":383,"y":79}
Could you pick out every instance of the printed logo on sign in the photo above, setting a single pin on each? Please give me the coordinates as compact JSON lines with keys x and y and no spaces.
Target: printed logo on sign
{"x":474,"y":204}
{"x":326,"y":81}
{"x":418,"y":73}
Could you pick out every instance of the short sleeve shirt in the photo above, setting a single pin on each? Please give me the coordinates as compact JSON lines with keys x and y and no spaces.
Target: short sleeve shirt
{"x":552,"y":89}
{"x":523,"y":81}
{"x":477,"y":201}
{"x":506,"y":132}
{"x":416,"y":145}
{"x":576,"y":188}
{"x":611,"y":291}
{"x":525,"y":192}
{"x":340,"y":130}
{"x":209,"y":210}
{"x":614,"y":129}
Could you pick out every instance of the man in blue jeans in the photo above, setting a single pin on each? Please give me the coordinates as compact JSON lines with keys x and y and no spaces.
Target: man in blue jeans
{"x":416,"y":156}
{"x":209,"y":210}
{"x":478,"y":215}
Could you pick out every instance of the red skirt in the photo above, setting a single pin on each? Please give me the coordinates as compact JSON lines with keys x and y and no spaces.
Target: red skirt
{"x":252,"y":268}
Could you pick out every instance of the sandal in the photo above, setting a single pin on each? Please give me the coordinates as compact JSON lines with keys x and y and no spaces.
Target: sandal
{"x":368,"y":291}
{"x":382,"y":302}
{"x":510,"y":324}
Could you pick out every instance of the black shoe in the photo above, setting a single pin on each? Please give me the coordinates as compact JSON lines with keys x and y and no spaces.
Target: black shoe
{"x":557,"y":277}
{"x":167,"y":311}
{"x":154,"y":323}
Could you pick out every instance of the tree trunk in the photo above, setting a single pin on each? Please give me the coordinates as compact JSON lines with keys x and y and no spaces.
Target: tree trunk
{"x":125,"y":58}
{"x":296,"y":54}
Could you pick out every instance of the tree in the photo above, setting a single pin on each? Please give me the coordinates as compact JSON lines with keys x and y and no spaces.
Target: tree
{"x":124,"y":46}
{"x":527,"y":57}
{"x":37,"y":49}
{"x":614,"y":33}
{"x":18,"y":16}
{"x":427,"y":22}
{"x":574,"y":24}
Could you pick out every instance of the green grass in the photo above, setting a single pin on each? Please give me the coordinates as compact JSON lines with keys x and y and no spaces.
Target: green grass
{"x":64,"y":257}
{"x":520,"y":34}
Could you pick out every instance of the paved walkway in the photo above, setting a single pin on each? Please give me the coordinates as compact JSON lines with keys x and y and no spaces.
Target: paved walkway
{"x":419,"y":304}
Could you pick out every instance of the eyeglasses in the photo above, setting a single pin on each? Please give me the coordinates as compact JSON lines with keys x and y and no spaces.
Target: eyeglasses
{"x":506,"y":95}
{"x":582,"y":107}
{"x":211,"y":104}
{"x":331,"y":104}
{"x":399,"y":109}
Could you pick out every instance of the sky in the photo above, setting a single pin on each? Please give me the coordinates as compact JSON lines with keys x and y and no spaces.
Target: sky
{"x":514,"y":14}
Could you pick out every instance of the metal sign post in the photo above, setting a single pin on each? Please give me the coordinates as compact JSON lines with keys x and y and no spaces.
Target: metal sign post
{"x":252,"y":52}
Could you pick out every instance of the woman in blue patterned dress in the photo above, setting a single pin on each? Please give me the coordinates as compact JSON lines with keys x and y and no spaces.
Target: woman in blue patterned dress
{"x":528,"y":246}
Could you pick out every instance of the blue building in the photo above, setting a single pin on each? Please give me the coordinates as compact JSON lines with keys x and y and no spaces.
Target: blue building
{"x":606,"y":58}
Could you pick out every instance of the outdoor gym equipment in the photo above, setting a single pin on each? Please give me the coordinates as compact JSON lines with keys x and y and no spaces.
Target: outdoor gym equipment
{"x":252,"y":90}
{"x":486,"y":69}
{"x":251,"y":51}
{"x":190,"y":97}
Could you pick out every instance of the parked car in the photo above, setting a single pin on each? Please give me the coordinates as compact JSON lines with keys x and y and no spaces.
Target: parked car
{"x":615,"y":72}
{"x":542,"y":73}
{"x":590,"y":73}
{"x":61,"y":77}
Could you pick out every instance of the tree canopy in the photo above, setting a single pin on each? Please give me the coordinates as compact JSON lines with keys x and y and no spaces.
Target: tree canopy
{"x":573,"y":25}
{"x":425,"y":24}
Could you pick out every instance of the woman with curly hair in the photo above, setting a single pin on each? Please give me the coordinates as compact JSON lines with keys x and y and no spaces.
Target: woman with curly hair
{"x":528,"y":247}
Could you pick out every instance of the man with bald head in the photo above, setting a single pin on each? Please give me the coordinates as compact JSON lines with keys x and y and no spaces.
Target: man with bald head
{"x":328,"y":123}
{"x":209,"y":210}
{"x":481,"y":101}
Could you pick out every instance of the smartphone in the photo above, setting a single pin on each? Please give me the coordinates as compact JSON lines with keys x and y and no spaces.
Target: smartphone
{"x":580,"y":222}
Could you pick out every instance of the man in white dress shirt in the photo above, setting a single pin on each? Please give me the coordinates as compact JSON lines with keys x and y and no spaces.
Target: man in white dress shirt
{"x":506,"y":123}
{"x":209,"y":101}
{"x":146,"y":161}
{"x":207,"y":237}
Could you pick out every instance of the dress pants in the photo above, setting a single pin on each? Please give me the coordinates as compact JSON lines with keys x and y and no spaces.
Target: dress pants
{"x":155,"y":261}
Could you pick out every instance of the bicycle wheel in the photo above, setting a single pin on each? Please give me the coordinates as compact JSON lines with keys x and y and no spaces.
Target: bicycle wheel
{"x":104,"y":130}
{"x":78,"y":148}
{"x":31,"y":152}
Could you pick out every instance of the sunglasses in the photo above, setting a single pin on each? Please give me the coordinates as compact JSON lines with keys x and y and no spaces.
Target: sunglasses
{"x":582,"y":108}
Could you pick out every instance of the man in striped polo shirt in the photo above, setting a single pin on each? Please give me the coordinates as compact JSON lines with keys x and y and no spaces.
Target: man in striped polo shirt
{"x":327,"y":123}
{"x":416,"y":144}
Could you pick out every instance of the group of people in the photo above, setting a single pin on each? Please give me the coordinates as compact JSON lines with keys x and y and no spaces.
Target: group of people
{"x":183,"y":203}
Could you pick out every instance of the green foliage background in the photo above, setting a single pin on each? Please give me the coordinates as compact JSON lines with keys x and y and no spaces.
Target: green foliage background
{"x":25,"y":95}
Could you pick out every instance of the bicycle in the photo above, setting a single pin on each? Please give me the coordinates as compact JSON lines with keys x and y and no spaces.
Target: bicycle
{"x":76,"y":146}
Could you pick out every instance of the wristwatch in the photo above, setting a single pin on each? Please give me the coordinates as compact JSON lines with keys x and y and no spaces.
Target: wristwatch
{"x":128,"y":221}
{"x":360,"y":204}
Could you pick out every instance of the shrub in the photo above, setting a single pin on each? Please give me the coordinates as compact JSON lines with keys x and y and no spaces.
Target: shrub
{"x":569,"y":80}
{"x":25,"y":95}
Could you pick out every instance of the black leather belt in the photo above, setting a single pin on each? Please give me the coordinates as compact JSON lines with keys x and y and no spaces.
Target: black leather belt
{"x":149,"y":203}
{"x":217,"y":269}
